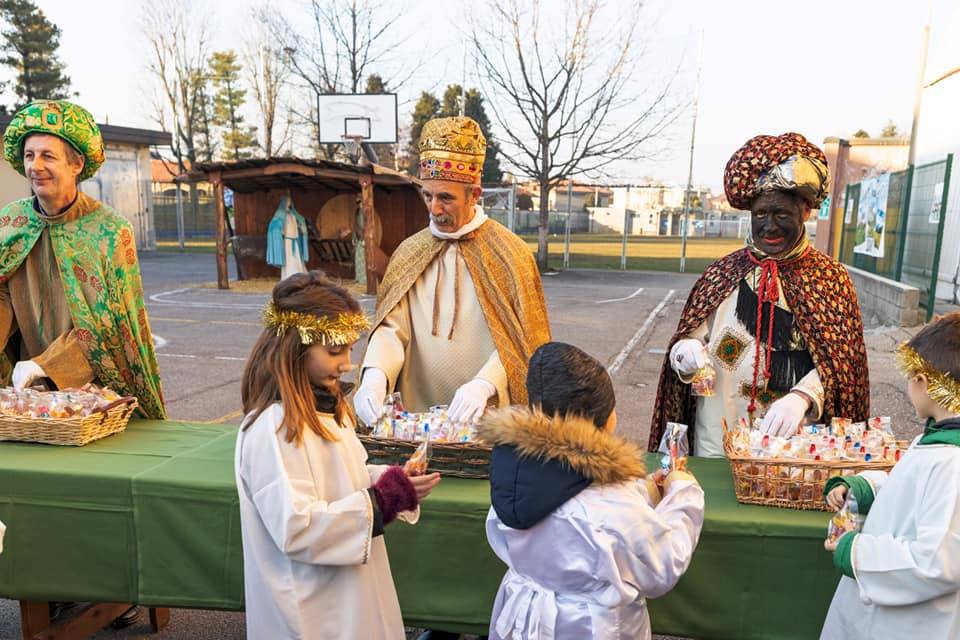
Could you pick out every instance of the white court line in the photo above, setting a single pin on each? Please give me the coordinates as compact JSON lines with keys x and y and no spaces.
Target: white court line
{"x":191,"y":356}
{"x":629,"y":297}
{"x":160,"y":298}
{"x":158,"y":342}
{"x":622,"y":356}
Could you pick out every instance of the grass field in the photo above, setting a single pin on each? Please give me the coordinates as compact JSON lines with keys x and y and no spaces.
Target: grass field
{"x":594,"y":251}
{"x":648,"y":253}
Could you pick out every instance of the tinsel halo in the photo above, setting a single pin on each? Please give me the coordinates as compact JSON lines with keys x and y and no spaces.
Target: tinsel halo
{"x":941,"y":386}
{"x":335,"y":331}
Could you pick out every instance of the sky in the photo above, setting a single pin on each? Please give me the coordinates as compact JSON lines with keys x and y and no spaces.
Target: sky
{"x":819,"y":67}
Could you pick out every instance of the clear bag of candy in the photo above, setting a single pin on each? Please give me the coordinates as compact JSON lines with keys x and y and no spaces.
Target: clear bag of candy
{"x":674,"y":447}
{"x":845,"y":520}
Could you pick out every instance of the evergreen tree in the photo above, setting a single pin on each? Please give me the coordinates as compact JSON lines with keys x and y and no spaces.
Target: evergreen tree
{"x":386,"y":153}
{"x":474,"y":109}
{"x":238,"y":139}
{"x":426,"y":109}
{"x":206,"y":138}
{"x":30,"y":44}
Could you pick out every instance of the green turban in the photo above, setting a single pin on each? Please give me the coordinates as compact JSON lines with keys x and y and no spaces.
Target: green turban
{"x":60,"y":118}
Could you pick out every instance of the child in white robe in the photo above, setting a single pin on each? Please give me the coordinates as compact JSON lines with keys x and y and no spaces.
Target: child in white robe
{"x":902,"y":572}
{"x":585,"y":536}
{"x":312,"y":511}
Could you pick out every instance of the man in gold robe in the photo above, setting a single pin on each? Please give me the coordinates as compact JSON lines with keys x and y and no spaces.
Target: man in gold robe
{"x":461,"y":308}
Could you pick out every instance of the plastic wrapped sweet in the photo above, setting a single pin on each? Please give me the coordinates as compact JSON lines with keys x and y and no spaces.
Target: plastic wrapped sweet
{"x":674,"y":446}
{"x":64,"y":404}
{"x":420,"y":460}
{"x":845,"y":520}
{"x":434,"y":424}
{"x":843,"y":440}
{"x":704,"y":381}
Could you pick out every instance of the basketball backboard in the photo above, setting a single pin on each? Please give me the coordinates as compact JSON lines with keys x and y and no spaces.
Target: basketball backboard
{"x":371,"y":117}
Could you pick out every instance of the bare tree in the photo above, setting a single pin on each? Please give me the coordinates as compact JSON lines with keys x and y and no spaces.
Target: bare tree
{"x":269,"y":70}
{"x":561,"y":85}
{"x":347,"y":41}
{"x":179,"y":41}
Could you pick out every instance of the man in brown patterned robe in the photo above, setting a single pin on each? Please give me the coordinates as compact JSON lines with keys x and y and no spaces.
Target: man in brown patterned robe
{"x":778,"y":320}
{"x":461,"y":309}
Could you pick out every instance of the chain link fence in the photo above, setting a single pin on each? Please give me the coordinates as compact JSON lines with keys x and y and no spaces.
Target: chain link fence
{"x":893,"y":226}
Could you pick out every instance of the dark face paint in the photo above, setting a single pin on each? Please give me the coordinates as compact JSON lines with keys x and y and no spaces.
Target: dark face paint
{"x":777,"y":221}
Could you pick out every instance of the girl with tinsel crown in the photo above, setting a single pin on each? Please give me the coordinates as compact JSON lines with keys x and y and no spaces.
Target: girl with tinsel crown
{"x":312,"y":511}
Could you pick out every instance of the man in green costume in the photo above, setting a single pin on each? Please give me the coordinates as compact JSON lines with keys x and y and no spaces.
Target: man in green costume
{"x":71,"y":299}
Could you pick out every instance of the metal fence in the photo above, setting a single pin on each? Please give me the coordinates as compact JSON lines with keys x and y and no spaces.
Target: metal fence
{"x":199,"y":220}
{"x":901,"y":239}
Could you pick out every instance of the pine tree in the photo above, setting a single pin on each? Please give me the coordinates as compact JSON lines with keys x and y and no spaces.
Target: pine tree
{"x":386,"y":153}
{"x":206,"y":138}
{"x":30,"y":43}
{"x":238,"y":139}
{"x":474,"y":109}
{"x":426,"y":109}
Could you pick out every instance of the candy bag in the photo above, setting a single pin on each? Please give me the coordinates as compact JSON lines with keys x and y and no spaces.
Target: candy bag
{"x":704,"y":381}
{"x":417,"y":465}
{"x":846,"y":519}
{"x":674,"y":446}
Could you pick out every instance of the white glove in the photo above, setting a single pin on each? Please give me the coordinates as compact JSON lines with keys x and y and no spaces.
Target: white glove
{"x":470,"y":401}
{"x":687,"y":356}
{"x":26,"y":372}
{"x":369,"y":397}
{"x":784,"y":416}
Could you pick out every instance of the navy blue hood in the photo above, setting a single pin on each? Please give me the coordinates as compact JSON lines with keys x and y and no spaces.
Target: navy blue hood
{"x":538,"y":463}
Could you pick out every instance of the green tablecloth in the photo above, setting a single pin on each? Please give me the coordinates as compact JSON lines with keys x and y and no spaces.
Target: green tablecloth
{"x":150,"y":516}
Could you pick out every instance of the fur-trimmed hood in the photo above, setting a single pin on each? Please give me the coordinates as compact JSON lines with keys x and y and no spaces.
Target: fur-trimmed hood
{"x":539,"y":462}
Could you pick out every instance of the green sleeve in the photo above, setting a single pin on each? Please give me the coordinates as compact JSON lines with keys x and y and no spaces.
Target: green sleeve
{"x":861,"y":488}
{"x":843,"y":556}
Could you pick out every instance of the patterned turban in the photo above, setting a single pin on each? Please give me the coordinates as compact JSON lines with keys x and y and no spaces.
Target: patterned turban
{"x":776,"y":163}
{"x":452,"y":149}
{"x":60,"y":118}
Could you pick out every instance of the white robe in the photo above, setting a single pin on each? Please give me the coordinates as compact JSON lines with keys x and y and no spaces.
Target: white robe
{"x":292,"y":260}
{"x":428,"y":369}
{"x":312,"y":568}
{"x":586,"y":570}
{"x":3,"y":529}
{"x":907,"y":560}
{"x":731,"y":398}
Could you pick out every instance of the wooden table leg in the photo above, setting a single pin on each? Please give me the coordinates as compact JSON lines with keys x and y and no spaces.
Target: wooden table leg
{"x":34,"y":617}
{"x":159,"y":618}
{"x":87,"y":620}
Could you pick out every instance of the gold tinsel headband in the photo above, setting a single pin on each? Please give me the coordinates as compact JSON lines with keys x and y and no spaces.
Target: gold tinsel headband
{"x":342,"y":329}
{"x":943,"y":389}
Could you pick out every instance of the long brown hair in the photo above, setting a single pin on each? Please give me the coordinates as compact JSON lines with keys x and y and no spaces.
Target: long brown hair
{"x":276,"y":371}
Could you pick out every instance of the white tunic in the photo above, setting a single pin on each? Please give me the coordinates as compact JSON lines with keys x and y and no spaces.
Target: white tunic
{"x":3,"y":529}
{"x":428,"y":369}
{"x":732,"y":350}
{"x":907,"y":560}
{"x":311,"y":566}
{"x":586,"y":570}
{"x":292,"y":260}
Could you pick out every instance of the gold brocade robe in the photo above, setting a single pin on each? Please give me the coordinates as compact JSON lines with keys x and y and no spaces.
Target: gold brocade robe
{"x":35,"y":322}
{"x":501,"y":278}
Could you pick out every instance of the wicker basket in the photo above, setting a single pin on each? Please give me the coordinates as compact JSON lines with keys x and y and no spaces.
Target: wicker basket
{"x":456,"y":459}
{"x":76,"y":431}
{"x":789,"y":482}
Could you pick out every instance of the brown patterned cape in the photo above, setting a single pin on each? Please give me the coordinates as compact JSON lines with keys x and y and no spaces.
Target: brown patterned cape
{"x":508,"y":284}
{"x":821,"y":295}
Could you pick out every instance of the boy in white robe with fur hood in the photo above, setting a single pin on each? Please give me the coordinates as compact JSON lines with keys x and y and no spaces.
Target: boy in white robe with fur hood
{"x":902,"y":572}
{"x":585,"y":536}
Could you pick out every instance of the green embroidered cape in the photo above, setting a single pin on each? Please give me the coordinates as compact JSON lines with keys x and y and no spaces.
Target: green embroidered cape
{"x":98,"y":265}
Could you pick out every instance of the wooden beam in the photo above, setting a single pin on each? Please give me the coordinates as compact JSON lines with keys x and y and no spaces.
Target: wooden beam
{"x":223,"y":281}
{"x":369,"y":229}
